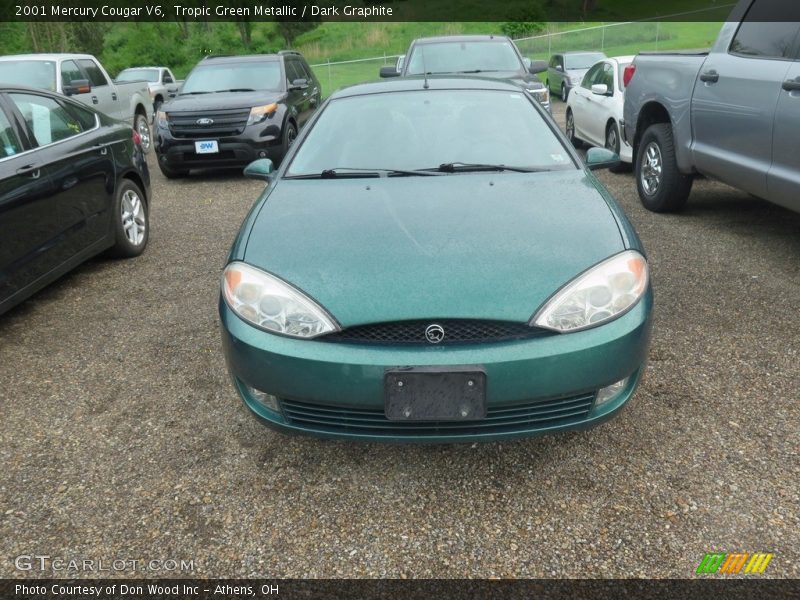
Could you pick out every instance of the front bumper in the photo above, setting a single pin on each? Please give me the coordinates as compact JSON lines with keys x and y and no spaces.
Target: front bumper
{"x":236,"y":151}
{"x":535,"y":386}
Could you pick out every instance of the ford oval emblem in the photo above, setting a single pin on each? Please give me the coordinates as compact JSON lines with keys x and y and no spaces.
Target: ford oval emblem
{"x":434,"y":333}
{"x":205,"y":121}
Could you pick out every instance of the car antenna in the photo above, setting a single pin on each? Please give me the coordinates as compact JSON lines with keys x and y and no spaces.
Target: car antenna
{"x":425,"y":85}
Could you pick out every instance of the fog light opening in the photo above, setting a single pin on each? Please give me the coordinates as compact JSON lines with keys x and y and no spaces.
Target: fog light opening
{"x":264,"y":399}
{"x":610,"y":392}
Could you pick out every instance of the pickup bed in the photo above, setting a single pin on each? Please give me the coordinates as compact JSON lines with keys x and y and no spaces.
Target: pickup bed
{"x":84,"y":78}
{"x":732,"y":113}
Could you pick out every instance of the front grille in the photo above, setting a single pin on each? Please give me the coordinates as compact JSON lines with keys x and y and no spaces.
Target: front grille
{"x":506,"y":419}
{"x":225,"y":123}
{"x":456,"y":331}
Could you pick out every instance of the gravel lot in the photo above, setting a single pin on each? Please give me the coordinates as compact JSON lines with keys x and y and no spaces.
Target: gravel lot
{"x":121,"y":437}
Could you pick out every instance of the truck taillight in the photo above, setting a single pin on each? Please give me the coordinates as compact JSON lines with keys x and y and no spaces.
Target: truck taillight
{"x":137,"y":139}
{"x":628,"y":73}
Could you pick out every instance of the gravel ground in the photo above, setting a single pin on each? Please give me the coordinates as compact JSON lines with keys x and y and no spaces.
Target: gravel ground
{"x":121,"y":437}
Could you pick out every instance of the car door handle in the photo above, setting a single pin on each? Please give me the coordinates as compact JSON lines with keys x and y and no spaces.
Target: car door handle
{"x":102,"y":147}
{"x":710,"y":76}
{"x":791,"y":85}
{"x":94,"y":100}
{"x":31,"y":171}
{"x":113,"y":95}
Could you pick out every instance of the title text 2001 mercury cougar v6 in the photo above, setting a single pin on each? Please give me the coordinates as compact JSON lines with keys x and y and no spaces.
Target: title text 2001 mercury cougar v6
{"x":434,"y":262}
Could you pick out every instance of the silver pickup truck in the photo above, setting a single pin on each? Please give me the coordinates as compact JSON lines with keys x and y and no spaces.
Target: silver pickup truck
{"x":160,"y":80}
{"x":732,"y":114}
{"x":84,"y":78}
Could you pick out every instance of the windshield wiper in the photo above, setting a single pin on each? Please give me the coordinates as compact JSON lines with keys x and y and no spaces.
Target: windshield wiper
{"x":192,"y":93}
{"x":355,"y":172}
{"x":236,"y":90}
{"x":460,"y":167}
{"x":477,"y":71}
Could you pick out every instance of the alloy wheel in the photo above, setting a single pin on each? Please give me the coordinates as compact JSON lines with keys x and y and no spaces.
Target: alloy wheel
{"x":133,"y":217}
{"x":651,"y":168}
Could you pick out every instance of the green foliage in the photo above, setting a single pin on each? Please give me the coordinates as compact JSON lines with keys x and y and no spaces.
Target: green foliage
{"x":525,"y":22}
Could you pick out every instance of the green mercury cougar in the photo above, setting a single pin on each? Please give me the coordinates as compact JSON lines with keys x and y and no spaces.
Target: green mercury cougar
{"x":433,"y":262}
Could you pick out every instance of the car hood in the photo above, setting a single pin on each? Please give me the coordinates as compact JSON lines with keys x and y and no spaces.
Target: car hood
{"x":577,"y":72}
{"x":221,"y":101}
{"x":459,"y":246}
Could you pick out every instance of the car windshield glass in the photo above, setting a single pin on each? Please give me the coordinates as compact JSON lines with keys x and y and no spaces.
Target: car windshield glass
{"x":459,"y":57}
{"x":150,"y":75}
{"x":35,"y":73}
{"x":234,"y":76}
{"x":582,"y":61}
{"x":423,"y":129}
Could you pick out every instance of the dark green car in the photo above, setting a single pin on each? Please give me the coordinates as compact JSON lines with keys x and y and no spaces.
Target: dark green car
{"x":434,"y":262}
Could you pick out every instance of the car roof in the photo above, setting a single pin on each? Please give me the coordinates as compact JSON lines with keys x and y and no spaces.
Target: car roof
{"x":574,"y":52}
{"x":435,"y":82}
{"x":51,"y":57}
{"x":462,"y":38}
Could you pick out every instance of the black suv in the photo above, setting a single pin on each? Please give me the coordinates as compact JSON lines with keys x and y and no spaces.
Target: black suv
{"x":233,"y":110}
{"x":493,"y":56}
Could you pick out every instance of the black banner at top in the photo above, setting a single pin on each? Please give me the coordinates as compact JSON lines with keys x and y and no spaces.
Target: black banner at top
{"x":386,"y":10}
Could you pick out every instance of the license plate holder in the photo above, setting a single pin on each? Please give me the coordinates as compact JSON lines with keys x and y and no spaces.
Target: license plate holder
{"x":452,"y":393}
{"x":206,"y":147}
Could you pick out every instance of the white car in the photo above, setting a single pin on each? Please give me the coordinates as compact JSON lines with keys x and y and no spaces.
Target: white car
{"x":594,"y":108}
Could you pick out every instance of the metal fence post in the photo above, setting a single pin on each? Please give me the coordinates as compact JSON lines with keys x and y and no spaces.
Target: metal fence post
{"x":603,"y":40}
{"x":658,"y":31}
{"x":330,"y":83}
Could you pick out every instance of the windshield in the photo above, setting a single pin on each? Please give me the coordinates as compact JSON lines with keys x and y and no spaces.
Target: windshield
{"x":35,"y":73}
{"x":457,"y":57}
{"x":423,"y":129}
{"x":234,"y":76}
{"x":150,"y":75}
{"x":582,"y":61}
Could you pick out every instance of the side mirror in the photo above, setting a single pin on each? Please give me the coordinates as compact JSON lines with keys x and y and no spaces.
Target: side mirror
{"x":601,"y":89}
{"x":389,"y":72}
{"x":559,"y":68}
{"x":537,"y":66}
{"x":299,"y":84}
{"x":77,"y":86}
{"x":601,"y":158}
{"x":260,"y":169}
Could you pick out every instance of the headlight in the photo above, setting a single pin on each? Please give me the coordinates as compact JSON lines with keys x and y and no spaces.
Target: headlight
{"x":161,"y":119}
{"x":272,"y":304}
{"x":542,"y":95}
{"x":599,"y":295}
{"x":260,"y":113}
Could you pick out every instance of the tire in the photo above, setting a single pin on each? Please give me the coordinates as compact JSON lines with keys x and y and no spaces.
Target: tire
{"x":661,"y":186}
{"x":564,"y":92}
{"x":569,"y":130}
{"x":289,"y":136}
{"x":172,"y":173}
{"x":613,"y":144}
{"x":142,"y":127}
{"x":131,"y":222}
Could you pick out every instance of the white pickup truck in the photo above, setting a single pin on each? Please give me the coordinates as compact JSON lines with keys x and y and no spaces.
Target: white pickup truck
{"x":162,"y":83}
{"x":84,"y":78}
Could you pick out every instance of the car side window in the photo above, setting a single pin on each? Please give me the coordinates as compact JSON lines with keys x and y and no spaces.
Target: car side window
{"x":292,"y":72}
{"x":93,"y":71}
{"x":591,"y":75}
{"x":9,"y":144}
{"x":607,"y":78}
{"x":70,"y":72}
{"x":760,"y":36}
{"x":167,"y":78}
{"x":47,"y":120}
{"x":86,"y":118}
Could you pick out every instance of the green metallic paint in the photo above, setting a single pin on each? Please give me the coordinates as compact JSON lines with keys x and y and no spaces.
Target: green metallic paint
{"x":491,"y":246}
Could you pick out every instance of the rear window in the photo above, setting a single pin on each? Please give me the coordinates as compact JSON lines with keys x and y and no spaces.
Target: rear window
{"x":150,"y":75}
{"x":426,"y":128}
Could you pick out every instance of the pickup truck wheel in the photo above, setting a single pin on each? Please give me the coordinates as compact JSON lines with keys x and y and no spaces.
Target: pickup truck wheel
{"x":662,"y":187}
{"x":143,"y":129}
{"x":564,"y":92}
{"x":131,"y":225}
{"x":570,"y":130}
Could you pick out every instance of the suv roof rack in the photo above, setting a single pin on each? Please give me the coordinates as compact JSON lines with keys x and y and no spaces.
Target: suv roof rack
{"x":282,"y":52}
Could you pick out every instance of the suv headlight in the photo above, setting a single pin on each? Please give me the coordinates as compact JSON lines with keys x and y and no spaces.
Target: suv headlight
{"x":597,"y":296}
{"x":272,"y":304}
{"x":161,"y":119}
{"x":260,"y":113}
